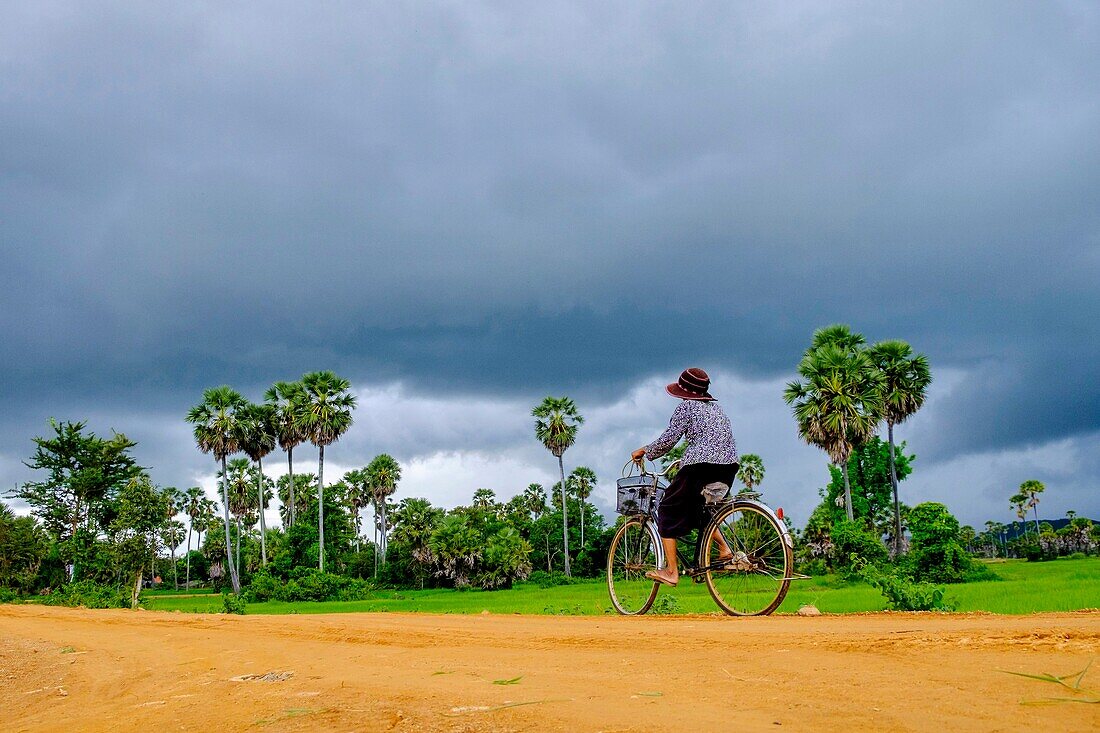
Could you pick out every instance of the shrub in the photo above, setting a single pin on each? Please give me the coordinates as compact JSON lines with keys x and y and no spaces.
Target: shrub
{"x":308,"y":584}
{"x":7,"y":595}
{"x":903,"y":593}
{"x":849,"y":540}
{"x":233,"y":604}
{"x":936,"y":554}
{"x":1078,"y":556}
{"x":543,"y":579}
{"x":90,"y":595}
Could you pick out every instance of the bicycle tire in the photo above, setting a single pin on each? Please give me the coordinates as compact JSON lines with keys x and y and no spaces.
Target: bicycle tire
{"x":757,"y":580}
{"x":633,"y":553}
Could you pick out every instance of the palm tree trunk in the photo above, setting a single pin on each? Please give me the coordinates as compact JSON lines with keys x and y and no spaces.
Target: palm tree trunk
{"x":263,"y":523}
{"x":564,"y":517}
{"x":321,"y":507}
{"x":894,"y":485}
{"x":233,"y":578}
{"x":175,"y":570}
{"x":1035,"y":508}
{"x":847,"y":492}
{"x":290,"y":476}
{"x":187,"y":576}
{"x":238,"y":545}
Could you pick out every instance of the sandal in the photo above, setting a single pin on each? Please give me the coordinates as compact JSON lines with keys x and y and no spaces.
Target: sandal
{"x":655,"y":576}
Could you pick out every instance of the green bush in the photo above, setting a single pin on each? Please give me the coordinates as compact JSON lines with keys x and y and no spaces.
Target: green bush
{"x":936,"y":554}
{"x":851,"y":539}
{"x":903,"y":593}
{"x":7,"y":595}
{"x":308,"y":584}
{"x":543,"y":579}
{"x":233,"y":604}
{"x":90,"y":595}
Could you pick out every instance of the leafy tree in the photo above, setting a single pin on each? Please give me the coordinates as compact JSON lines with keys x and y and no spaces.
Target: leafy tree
{"x":84,"y":474}
{"x":325,"y":415}
{"x":676,"y":453}
{"x":304,"y":488}
{"x":869,"y":485}
{"x":242,"y":504}
{"x":905,"y":381}
{"x":751,"y":472}
{"x":24,"y":546}
{"x":1029,"y":491}
{"x":838,"y":404}
{"x":584,"y":480}
{"x":142,"y":510}
{"x":216,"y":432}
{"x":556,"y":423}
{"x":257,"y":427}
{"x":414,"y":522}
{"x":287,"y":399}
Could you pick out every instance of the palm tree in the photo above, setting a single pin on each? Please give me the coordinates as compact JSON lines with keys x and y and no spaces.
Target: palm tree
{"x":1030,"y":490}
{"x":414,"y":522}
{"x":484,"y":498}
{"x":839,"y":404}
{"x":257,"y":438}
{"x":172,"y":535}
{"x":191,"y":507}
{"x":358,"y":495}
{"x":324,"y":415}
{"x":286,"y":398}
{"x":215,"y":421}
{"x":556,"y":423}
{"x":1019,"y":503}
{"x":534,"y":498}
{"x":238,"y":487}
{"x":304,"y":490}
{"x":584,"y":481}
{"x":383,"y":473}
{"x":751,"y":472}
{"x":906,"y":378}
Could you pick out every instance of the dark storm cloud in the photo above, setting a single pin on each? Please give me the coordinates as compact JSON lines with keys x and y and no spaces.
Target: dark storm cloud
{"x":530,"y":198}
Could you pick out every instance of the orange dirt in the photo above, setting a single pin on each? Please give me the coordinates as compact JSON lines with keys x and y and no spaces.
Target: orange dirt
{"x":79,"y":670}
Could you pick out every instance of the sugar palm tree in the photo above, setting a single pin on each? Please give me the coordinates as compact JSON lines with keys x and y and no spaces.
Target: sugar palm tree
{"x":324,"y":415}
{"x":358,"y":496}
{"x":215,"y":421}
{"x":1019,"y":503}
{"x":484,"y":498}
{"x":257,"y":438}
{"x":1030,"y":491}
{"x":172,"y":535}
{"x":304,"y":490}
{"x":751,"y":472}
{"x":905,"y":381}
{"x":556,"y":423}
{"x":838,"y":405}
{"x":584,"y":481}
{"x":383,"y":473}
{"x":238,"y":487}
{"x":191,"y":506}
{"x":534,"y":498}
{"x":286,"y":398}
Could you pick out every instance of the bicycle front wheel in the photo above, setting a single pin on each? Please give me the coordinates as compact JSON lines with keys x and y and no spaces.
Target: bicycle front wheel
{"x":748,"y":562}
{"x":632,"y":554}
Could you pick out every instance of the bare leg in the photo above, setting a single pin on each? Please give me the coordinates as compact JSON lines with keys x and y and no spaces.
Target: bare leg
{"x":724,"y":551}
{"x":670,"y":573}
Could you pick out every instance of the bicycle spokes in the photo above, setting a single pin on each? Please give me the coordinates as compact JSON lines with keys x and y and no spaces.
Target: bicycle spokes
{"x":632,"y":554}
{"x":748,"y":562}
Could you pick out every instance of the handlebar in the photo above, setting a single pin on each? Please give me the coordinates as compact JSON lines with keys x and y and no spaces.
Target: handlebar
{"x":642,"y":469}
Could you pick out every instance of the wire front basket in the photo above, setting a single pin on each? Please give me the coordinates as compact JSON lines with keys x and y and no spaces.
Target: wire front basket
{"x":638,"y":494}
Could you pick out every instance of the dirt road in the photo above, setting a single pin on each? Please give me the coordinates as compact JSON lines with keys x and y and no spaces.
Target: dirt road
{"x":78,"y":670}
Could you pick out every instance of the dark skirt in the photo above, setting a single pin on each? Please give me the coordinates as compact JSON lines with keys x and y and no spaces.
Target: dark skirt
{"x":682,"y":508}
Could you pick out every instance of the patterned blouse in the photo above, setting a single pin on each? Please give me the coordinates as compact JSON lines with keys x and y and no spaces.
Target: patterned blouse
{"x":708,"y":431}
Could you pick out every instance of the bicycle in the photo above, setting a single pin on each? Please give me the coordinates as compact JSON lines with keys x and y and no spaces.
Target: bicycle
{"x":751,"y":582}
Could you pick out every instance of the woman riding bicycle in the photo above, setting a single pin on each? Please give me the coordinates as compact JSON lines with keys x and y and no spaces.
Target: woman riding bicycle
{"x":710,"y":463}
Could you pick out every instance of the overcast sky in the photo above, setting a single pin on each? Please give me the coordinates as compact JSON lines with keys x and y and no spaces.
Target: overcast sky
{"x":465,"y":207}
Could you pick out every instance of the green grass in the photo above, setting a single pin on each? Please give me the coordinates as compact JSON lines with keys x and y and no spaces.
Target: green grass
{"x":1061,"y":585}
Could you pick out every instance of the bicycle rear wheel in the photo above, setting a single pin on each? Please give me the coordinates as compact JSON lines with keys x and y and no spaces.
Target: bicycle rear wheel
{"x":632,"y":554}
{"x":755,"y":581}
